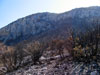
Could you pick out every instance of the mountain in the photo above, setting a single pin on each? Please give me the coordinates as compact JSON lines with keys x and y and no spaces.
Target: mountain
{"x":46,"y":26}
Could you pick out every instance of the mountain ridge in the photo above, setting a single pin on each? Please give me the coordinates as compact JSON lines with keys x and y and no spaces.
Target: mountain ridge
{"x":45,"y":23}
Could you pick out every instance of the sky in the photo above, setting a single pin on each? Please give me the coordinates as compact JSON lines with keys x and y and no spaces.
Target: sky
{"x":11,"y":10}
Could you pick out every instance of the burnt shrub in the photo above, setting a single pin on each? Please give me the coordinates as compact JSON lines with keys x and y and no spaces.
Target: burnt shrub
{"x":12,"y":57}
{"x":35,"y":50}
{"x":86,"y":44}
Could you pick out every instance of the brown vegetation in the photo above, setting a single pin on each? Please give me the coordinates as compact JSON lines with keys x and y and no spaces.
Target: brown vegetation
{"x":36,"y":50}
{"x":12,"y":57}
{"x":86,"y":45}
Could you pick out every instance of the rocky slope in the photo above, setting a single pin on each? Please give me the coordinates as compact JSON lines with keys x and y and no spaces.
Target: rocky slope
{"x":63,"y":68}
{"x":53,"y":65}
{"x":44,"y":25}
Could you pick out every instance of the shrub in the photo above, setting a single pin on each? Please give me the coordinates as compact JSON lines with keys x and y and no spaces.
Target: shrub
{"x":12,"y":58}
{"x":86,"y":43}
{"x":36,"y":50}
{"x":58,"y":46}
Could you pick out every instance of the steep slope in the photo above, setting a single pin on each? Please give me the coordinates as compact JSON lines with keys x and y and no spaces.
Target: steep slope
{"x":28,"y":26}
{"x":47,"y":25}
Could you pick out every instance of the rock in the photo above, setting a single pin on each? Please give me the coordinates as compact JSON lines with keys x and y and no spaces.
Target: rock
{"x":3,"y":70}
{"x":42,"y":58}
{"x":94,"y":73}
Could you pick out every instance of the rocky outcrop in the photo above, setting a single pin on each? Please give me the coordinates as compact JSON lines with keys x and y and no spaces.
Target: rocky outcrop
{"x":43,"y":24}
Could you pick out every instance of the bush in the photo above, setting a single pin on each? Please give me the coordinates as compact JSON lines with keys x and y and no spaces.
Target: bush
{"x":36,"y":50}
{"x":61,"y":45}
{"x":86,"y":43}
{"x":58,"y":46}
{"x":12,"y":58}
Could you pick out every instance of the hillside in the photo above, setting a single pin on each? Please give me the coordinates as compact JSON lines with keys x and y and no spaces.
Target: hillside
{"x":44,"y":25}
{"x":52,"y":44}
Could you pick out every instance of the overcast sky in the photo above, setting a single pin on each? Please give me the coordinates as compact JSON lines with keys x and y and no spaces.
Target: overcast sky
{"x":11,"y":10}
